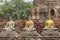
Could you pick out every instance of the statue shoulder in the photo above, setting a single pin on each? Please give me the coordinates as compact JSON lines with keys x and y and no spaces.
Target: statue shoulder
{"x":51,"y":20}
{"x":8,"y":22}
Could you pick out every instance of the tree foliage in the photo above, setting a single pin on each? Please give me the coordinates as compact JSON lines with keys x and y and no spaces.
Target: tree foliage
{"x":15,"y":9}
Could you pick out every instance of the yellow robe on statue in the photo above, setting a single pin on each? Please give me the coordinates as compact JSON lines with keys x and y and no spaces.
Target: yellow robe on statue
{"x":28,"y":23}
{"x":49,"y":23}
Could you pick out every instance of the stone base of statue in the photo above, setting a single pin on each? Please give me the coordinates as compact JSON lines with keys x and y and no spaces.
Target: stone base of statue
{"x":50,"y":32}
{"x":30,"y":34}
{"x":12,"y":34}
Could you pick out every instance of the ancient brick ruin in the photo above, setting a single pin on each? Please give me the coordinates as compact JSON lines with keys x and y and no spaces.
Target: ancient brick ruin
{"x":45,"y":8}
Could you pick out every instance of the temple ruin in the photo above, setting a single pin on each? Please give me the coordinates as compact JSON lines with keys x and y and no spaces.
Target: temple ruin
{"x":46,"y":8}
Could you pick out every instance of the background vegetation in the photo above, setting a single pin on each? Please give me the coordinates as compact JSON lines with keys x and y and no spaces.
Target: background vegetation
{"x":15,"y":8}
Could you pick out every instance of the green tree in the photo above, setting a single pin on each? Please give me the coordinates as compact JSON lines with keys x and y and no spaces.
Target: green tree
{"x":15,"y":8}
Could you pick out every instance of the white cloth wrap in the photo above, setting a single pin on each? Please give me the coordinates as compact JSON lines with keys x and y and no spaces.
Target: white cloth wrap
{"x":10,"y":27}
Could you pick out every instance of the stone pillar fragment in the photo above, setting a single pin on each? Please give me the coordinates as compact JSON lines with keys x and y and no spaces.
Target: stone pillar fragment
{"x":32,"y":15}
{"x":38,"y":13}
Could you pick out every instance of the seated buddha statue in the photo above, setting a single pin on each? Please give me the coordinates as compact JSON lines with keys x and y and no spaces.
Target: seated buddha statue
{"x":49,"y":24}
{"x":29,"y":25}
{"x":9,"y":25}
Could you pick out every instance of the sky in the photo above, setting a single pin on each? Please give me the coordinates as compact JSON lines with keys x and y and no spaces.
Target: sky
{"x":24,"y":0}
{"x":28,"y":0}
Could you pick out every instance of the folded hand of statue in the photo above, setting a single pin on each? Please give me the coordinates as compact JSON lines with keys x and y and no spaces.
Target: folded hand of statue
{"x":4,"y":29}
{"x":25,"y":28}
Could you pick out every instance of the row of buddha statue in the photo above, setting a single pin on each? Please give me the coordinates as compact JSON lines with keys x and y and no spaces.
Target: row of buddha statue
{"x":10,"y":25}
{"x":29,"y":25}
